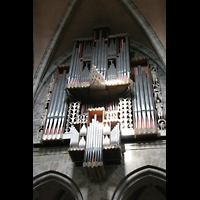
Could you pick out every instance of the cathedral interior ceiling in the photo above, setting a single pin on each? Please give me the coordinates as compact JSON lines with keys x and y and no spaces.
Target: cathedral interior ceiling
{"x":85,"y":15}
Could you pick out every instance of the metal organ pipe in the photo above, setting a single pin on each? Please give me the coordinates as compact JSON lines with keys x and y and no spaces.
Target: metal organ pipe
{"x":138,"y":100}
{"x":93,"y":55}
{"x":51,"y":114}
{"x":57,"y":109}
{"x":142,"y":96}
{"x":63,"y":117}
{"x":62,"y":112}
{"x":74,"y":65}
{"x":151,"y":101}
{"x":143,"y":102}
{"x":58,"y":105}
{"x":146,"y":97}
{"x":94,"y":141}
{"x":50,"y":108}
{"x":135,"y":104}
{"x":72,"y":62}
{"x":99,"y":51}
{"x":53,"y":109}
{"x":105,"y":59}
{"x":121,"y":64}
{"x":127,"y":57}
{"x":102,"y":53}
{"x":124,"y":61}
{"x":79,"y":70}
{"x":118,"y":67}
{"x":96,"y":53}
{"x":76,"y":68}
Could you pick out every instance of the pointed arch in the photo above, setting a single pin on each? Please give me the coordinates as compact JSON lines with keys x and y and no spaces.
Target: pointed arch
{"x":138,"y":183}
{"x":55,"y":184}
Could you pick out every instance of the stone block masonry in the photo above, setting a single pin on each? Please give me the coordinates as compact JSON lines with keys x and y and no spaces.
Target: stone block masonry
{"x":58,"y":159}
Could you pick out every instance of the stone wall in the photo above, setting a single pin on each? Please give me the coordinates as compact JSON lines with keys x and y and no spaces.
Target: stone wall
{"x":135,"y":156}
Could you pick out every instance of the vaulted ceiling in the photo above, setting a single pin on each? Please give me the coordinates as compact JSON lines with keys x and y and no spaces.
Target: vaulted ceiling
{"x":89,"y":13}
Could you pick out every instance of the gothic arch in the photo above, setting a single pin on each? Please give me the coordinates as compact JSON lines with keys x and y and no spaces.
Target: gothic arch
{"x":142,"y":183}
{"x":55,"y":185}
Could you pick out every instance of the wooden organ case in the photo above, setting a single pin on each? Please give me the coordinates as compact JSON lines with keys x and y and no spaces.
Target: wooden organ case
{"x":99,"y":99}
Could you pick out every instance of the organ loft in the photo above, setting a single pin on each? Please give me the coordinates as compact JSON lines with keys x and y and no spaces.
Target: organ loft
{"x":100,"y":100}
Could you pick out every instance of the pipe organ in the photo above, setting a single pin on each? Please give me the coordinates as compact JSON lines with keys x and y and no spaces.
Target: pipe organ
{"x":144,"y":112}
{"x":101,"y":98}
{"x":54,"y":126}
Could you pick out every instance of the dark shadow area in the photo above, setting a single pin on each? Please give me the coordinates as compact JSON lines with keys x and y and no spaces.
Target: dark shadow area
{"x":145,"y":183}
{"x":54,"y":185}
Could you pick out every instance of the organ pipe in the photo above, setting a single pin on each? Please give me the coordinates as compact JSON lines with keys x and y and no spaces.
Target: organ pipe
{"x":57,"y":110}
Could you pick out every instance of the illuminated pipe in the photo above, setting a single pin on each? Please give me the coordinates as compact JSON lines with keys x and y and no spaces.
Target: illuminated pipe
{"x":99,"y":52}
{"x":135,"y":104}
{"x":53,"y":109}
{"x":151,"y":101}
{"x":61,"y":114}
{"x":138,"y":100}
{"x":50,"y":108}
{"x":144,"y":77}
{"x":74,"y":65}
{"x":71,"y":63}
{"x":127,"y":56}
{"x":58,"y":104}
{"x":104,"y":60}
{"x":142,"y":96}
{"x":117,"y":66}
{"x":93,"y":55}
{"x":63,"y":117}
{"x":124,"y":60}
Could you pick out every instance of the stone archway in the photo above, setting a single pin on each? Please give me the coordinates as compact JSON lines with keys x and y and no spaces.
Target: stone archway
{"x":145,"y":183}
{"x":54,"y":185}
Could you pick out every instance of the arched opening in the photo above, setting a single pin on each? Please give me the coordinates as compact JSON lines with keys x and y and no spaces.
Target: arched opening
{"x":54,"y":185}
{"x":144,"y":183}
